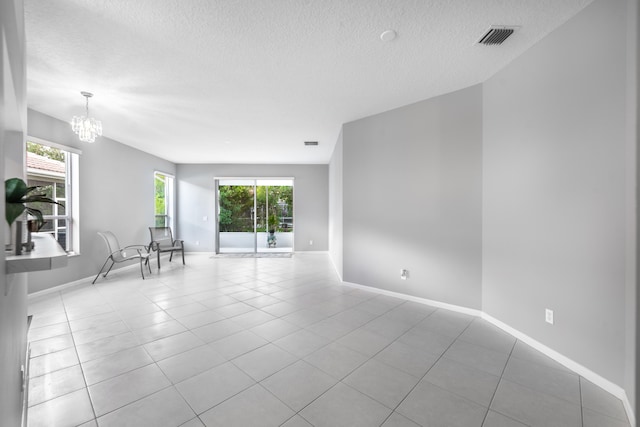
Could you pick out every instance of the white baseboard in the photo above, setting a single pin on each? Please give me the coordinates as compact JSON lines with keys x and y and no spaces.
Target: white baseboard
{"x":293,"y":252}
{"x":78,"y":282}
{"x":629,"y":410}
{"x":574,"y":366}
{"x":60,"y":287}
{"x":335,"y":267}
{"x":588,"y":374}
{"x":425,"y":301}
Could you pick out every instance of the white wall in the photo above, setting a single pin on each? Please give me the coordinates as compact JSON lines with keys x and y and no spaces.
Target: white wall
{"x":116,"y":194}
{"x":549,"y":147}
{"x":13,"y":290}
{"x":196,"y":199}
{"x":633,"y":140}
{"x":336,"y":206}
{"x":554,"y":198}
{"x":412,"y":187}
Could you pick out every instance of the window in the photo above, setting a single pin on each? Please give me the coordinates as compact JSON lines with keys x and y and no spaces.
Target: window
{"x":164,"y":199}
{"x":54,"y":168}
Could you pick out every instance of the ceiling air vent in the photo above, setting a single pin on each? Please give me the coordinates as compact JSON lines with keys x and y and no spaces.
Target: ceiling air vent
{"x":311,"y":143}
{"x":496,"y":35}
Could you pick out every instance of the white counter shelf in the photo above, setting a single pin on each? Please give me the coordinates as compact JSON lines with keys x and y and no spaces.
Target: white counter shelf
{"x":46,"y":255}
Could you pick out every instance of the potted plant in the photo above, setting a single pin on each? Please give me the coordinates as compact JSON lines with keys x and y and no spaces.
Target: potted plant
{"x":17,"y":195}
{"x":273,"y":224}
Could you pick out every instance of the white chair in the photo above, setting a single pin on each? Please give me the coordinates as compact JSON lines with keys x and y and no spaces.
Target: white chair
{"x":117,"y":254}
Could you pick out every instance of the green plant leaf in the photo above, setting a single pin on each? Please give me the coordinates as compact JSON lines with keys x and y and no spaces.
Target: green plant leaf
{"x":17,"y":194}
{"x":15,"y":189}
{"x":13,"y":211}
{"x":39,"y":198}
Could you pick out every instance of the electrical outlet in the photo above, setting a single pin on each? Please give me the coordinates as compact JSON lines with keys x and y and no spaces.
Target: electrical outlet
{"x":197,"y":242}
{"x":548,"y":316}
{"x":404,"y":274}
{"x":310,"y":242}
{"x":23,"y":377}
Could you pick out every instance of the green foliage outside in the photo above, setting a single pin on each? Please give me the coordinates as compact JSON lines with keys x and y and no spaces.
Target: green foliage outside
{"x":279,"y":200}
{"x":236,"y":203}
{"x":236,"y":208}
{"x":160,"y":206}
{"x":43,"y":150}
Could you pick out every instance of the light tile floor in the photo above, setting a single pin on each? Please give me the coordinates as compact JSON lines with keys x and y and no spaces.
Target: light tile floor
{"x":280,"y":342}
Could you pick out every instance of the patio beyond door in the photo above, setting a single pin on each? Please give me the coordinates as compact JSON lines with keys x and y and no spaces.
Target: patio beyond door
{"x":254,"y":215}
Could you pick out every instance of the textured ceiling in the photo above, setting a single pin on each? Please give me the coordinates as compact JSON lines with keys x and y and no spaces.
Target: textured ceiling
{"x":248,"y":81}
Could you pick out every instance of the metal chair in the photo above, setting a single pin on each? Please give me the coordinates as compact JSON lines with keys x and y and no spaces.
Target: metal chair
{"x":117,"y":254}
{"x":162,"y":241}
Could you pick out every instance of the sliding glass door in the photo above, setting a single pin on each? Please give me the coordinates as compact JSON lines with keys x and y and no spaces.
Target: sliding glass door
{"x":236,"y":223}
{"x":254,"y":215}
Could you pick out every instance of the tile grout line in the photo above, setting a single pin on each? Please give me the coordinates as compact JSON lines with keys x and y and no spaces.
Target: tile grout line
{"x":172,"y":284}
{"x":581,"y":401}
{"x":339,"y":381}
{"x":499,"y":381}
{"x":379,"y":351}
{"x":525,"y":386}
{"x":75,"y":349}
{"x":153,"y":361}
{"x":171,"y":383}
{"x":255,"y":382}
{"x":428,"y":370}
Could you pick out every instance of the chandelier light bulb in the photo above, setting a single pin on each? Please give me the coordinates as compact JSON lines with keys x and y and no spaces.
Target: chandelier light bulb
{"x":87,"y":128}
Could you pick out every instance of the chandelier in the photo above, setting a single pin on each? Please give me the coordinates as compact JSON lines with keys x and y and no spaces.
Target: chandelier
{"x":86,"y":127}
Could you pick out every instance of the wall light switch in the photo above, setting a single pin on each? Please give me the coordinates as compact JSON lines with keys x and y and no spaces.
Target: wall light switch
{"x":310,"y":242}
{"x":205,"y":218}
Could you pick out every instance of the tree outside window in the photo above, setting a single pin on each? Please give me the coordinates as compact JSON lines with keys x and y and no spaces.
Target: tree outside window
{"x":163,"y":200}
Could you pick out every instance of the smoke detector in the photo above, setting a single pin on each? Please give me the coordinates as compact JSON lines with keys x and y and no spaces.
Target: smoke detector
{"x":388,"y":35}
{"x":496,"y":34}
